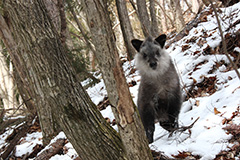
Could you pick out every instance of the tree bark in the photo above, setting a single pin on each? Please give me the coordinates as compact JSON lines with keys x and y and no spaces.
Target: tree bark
{"x":44,"y":113}
{"x":42,"y":63}
{"x":125,"y":112}
{"x":125,"y":27}
{"x":54,"y":14}
{"x":154,"y":23}
{"x":27,"y":99}
{"x":143,"y":17}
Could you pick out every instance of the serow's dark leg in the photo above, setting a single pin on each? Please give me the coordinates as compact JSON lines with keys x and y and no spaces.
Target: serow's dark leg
{"x":149,"y":127}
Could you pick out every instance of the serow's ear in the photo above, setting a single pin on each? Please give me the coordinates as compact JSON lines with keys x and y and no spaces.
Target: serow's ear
{"x":136,"y":44}
{"x":161,"y":40}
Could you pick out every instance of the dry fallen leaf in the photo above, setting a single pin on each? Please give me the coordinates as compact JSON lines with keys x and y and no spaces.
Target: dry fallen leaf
{"x":216,"y":111}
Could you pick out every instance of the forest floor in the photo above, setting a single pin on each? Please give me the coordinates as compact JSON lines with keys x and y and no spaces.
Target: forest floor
{"x":211,"y":107}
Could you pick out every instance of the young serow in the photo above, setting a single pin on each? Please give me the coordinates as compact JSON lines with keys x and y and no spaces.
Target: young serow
{"x":159,"y":96}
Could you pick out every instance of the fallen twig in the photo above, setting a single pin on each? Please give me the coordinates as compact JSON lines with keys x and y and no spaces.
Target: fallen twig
{"x":183,"y":128}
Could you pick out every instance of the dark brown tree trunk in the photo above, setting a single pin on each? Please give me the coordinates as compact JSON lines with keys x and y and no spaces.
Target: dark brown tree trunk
{"x":42,"y":64}
{"x":125,"y":112}
{"x":125,"y":27}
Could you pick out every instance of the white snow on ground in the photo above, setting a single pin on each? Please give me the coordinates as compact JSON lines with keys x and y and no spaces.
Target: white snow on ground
{"x":27,"y":143}
{"x":207,"y":138}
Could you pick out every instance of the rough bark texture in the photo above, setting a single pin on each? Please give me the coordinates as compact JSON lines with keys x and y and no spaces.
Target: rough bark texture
{"x":27,"y":99}
{"x":143,"y":17}
{"x":21,"y":66}
{"x":41,"y":60}
{"x":125,"y":112}
{"x":53,"y":11}
{"x":125,"y":27}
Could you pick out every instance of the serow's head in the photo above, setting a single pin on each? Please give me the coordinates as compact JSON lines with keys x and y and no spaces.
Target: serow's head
{"x":151,"y":53}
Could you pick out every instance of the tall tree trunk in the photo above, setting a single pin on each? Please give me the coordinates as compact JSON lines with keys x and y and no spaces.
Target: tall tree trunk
{"x":165,"y":25}
{"x":57,"y":15}
{"x":164,"y":16}
{"x":125,"y":27}
{"x":143,"y":17}
{"x":177,"y":13}
{"x":154,"y":23}
{"x":125,"y":112}
{"x":42,"y":64}
{"x":80,"y":27}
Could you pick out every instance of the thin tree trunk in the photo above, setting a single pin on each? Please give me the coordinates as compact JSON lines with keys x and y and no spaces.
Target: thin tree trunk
{"x":165,"y":26}
{"x":42,"y":64}
{"x":154,"y":23}
{"x":165,"y":17}
{"x":143,"y":17}
{"x":125,"y":112}
{"x":178,"y":16}
{"x":223,"y":40}
{"x":80,"y":27}
{"x":84,"y":34}
{"x":125,"y":27}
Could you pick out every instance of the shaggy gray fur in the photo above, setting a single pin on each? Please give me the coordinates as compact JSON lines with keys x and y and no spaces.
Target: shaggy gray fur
{"x":159,"y":96}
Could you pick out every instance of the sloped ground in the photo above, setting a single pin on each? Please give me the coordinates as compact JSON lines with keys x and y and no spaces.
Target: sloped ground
{"x":210,"y":87}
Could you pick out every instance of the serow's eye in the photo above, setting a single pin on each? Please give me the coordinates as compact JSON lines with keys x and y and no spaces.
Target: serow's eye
{"x":144,"y":55}
{"x":157,"y":53}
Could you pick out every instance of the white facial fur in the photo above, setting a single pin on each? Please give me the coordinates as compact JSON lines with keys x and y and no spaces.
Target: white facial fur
{"x":162,"y":64}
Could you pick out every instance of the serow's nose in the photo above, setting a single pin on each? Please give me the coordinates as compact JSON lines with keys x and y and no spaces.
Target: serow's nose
{"x":153,"y":65}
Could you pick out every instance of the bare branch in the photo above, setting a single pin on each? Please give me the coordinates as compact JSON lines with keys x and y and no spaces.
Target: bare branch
{"x":223,"y":40}
{"x":183,"y":128}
